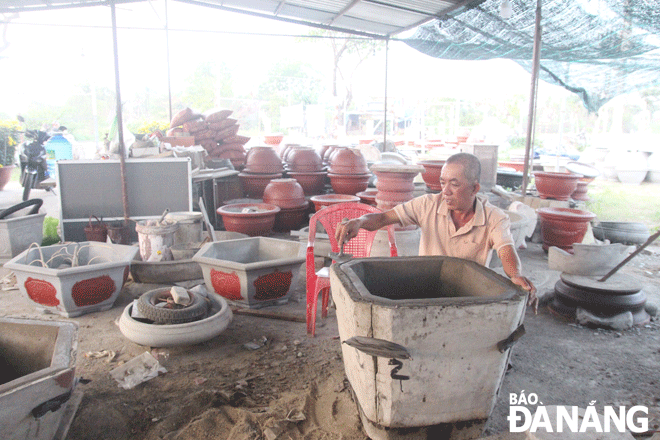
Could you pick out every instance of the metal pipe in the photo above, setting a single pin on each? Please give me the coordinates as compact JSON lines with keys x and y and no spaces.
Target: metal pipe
{"x":532,"y":96}
{"x":120,"y":128}
{"x":167,"y":48}
{"x":387,"y":46}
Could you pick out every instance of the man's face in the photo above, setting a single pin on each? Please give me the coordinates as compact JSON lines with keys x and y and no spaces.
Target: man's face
{"x":457,"y":191}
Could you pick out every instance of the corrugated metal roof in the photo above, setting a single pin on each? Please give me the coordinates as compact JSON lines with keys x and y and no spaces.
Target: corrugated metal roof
{"x":373,"y":18}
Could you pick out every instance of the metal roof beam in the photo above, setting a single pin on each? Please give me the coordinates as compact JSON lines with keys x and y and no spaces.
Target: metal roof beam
{"x":346,"y":8}
{"x":439,"y":16}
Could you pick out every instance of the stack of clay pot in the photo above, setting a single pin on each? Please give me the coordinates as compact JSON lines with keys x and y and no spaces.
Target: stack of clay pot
{"x":348,"y":171}
{"x":306,"y":166}
{"x":215,"y":131}
{"x":394,"y":183}
{"x":262,"y":165}
{"x":288,"y":194}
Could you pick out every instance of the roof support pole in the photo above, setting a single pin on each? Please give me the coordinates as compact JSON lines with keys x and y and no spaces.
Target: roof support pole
{"x":531,"y":118}
{"x":387,"y":47}
{"x":167,"y":48}
{"x":120,"y":127}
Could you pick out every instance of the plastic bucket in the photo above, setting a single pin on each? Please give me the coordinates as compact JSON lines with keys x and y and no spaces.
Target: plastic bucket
{"x":190,"y":226}
{"x":155,"y":240}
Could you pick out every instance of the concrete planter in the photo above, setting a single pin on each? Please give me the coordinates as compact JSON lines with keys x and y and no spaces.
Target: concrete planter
{"x":252,"y":272}
{"x":92,"y":286}
{"x":36,"y":394}
{"x":449,"y":314}
{"x":17,"y":234}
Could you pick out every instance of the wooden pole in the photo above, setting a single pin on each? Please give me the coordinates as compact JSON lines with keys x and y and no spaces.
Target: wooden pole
{"x":531,"y":118}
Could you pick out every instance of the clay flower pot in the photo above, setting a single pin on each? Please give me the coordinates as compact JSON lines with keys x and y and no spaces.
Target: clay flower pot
{"x":312,"y":183}
{"x":580,"y":192}
{"x":349,"y":183}
{"x":252,"y":219}
{"x":328,"y":152}
{"x":395,"y":183}
{"x":561,"y":227}
{"x":284,"y":150}
{"x":518,"y":166}
{"x":304,"y":160}
{"x":255,"y":184}
{"x":263,"y":160}
{"x":273,"y":139}
{"x":291,"y":218}
{"x":322,"y":201}
{"x":348,"y":161}
{"x":322,"y":150}
{"x":368,"y":197}
{"x":285,"y":193}
{"x":431,"y":174}
{"x":557,"y":186}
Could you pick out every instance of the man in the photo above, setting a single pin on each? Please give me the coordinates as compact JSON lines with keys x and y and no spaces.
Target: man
{"x":455,"y":223}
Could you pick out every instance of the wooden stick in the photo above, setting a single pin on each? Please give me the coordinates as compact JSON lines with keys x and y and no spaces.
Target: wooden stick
{"x":631,"y":256}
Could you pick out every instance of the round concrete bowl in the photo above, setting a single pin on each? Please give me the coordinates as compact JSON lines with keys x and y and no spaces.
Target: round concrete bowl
{"x":252,"y":219}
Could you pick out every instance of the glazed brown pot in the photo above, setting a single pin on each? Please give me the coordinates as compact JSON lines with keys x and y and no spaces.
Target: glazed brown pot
{"x":249,"y":218}
{"x":557,"y":186}
{"x":285,"y":193}
{"x":291,"y":218}
{"x":312,"y":183}
{"x":395,"y":183}
{"x":561,"y":227}
{"x":255,"y":184}
{"x":304,"y":160}
{"x":348,"y":161}
{"x":349,"y":183}
{"x":322,"y":201}
{"x":263,"y":160}
{"x":431,"y":174}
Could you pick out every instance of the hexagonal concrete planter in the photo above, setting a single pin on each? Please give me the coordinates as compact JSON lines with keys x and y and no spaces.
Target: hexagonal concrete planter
{"x":91,"y":285}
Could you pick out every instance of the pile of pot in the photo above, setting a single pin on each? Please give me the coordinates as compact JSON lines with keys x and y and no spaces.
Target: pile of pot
{"x":348,"y":171}
{"x":262,"y":164}
{"x":289,"y":196}
{"x":305,"y":165}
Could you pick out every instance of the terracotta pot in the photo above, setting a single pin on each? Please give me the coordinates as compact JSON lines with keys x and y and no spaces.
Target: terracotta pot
{"x":368,"y":197}
{"x":304,"y":159}
{"x":562,"y":227}
{"x":255,"y":184}
{"x":518,"y":166}
{"x":291,"y":218}
{"x":580,"y":192}
{"x":273,"y":139}
{"x":322,"y":201}
{"x":323,"y":149}
{"x":395,"y":183}
{"x":348,"y":161}
{"x":557,"y":186}
{"x":285,"y":193}
{"x":312,"y":183}
{"x":349,"y":183}
{"x":249,"y":218}
{"x":431,"y":174}
{"x":328,"y":152}
{"x":263,"y":160}
{"x":285,"y":149}
{"x":5,"y":175}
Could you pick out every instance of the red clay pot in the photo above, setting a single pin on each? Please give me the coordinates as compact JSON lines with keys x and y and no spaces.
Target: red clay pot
{"x":324,"y":200}
{"x":557,"y":186}
{"x":249,"y":218}
{"x":328,"y":152}
{"x":561,"y":227}
{"x":312,"y":183}
{"x":431,"y":174}
{"x":395,"y":183}
{"x":273,"y":139}
{"x":291,"y":218}
{"x":580,"y":192}
{"x":518,"y":166}
{"x":285,"y":149}
{"x":323,"y":149}
{"x":285,"y":193}
{"x":368,"y":197}
{"x":263,"y":160}
{"x":348,"y":161}
{"x":255,"y":184}
{"x":304,"y":160}
{"x":349,"y":183}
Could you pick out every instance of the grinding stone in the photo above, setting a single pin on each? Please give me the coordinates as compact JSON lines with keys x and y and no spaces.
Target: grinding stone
{"x":618,"y":283}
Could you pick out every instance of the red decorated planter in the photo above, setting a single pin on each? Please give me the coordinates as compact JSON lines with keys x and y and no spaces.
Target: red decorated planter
{"x":255,"y":184}
{"x":285,"y":193}
{"x":561,"y":227}
{"x":395,"y":184}
{"x":252,"y":219}
{"x":312,"y":183}
{"x":263,"y":160}
{"x":349,"y":183}
{"x":322,"y":201}
{"x":431,"y":174}
{"x":557,"y":186}
{"x":304,"y":159}
{"x":348,"y":161}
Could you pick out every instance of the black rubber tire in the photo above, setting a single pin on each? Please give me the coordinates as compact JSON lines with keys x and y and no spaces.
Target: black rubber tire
{"x":28,"y":181}
{"x":193,"y":312}
{"x":12,"y":209}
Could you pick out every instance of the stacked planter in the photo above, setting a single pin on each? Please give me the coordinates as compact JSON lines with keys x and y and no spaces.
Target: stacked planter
{"x":431,"y":173}
{"x":588,"y":174}
{"x":305,"y":165}
{"x":561,"y":227}
{"x":263,"y":164}
{"x":348,"y":171}
{"x":395,"y":184}
{"x":289,"y":196}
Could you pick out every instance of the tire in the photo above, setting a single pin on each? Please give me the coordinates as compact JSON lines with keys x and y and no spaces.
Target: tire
{"x":12,"y":209}
{"x":146,"y":305}
{"x":28,"y":181}
{"x":190,"y":333}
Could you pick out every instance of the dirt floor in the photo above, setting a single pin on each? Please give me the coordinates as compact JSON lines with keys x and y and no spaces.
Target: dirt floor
{"x":294,"y":387}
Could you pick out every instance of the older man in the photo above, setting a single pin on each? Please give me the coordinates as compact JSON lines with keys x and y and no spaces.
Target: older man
{"x":455,"y":223}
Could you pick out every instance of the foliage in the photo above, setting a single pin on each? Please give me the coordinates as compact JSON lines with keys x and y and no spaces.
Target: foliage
{"x":206,"y":85}
{"x":9,"y":137}
{"x":50,"y":231}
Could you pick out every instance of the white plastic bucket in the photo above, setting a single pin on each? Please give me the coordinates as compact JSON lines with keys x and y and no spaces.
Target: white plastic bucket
{"x":156,"y":240}
{"x":190,"y":226}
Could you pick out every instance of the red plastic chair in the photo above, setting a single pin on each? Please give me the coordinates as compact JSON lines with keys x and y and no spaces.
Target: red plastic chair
{"x":359,"y":246}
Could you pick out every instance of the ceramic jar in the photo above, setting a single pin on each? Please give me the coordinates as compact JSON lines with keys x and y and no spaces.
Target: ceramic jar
{"x":395,"y":184}
{"x":561,"y":227}
{"x":348,"y":161}
{"x":285,"y":193}
{"x":322,"y":201}
{"x":263,"y":160}
{"x":431,"y":173}
{"x":559,"y":186}
{"x":252,"y":219}
{"x":304,"y":159}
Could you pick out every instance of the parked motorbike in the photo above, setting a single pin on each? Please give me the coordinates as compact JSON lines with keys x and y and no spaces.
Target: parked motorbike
{"x":33,"y":160}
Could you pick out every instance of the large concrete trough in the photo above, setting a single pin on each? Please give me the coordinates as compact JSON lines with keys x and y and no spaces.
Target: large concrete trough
{"x":449,"y":314}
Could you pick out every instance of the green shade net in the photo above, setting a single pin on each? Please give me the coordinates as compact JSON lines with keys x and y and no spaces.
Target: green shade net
{"x":595,"y":48}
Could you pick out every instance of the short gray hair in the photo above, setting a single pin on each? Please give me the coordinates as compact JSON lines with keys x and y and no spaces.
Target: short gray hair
{"x":471,"y":165}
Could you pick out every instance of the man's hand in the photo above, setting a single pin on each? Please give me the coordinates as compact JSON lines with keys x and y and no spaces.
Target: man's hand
{"x":346,"y":230}
{"x":526,"y":284}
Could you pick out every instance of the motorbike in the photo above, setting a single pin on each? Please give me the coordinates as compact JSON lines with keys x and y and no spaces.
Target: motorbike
{"x":33,"y":160}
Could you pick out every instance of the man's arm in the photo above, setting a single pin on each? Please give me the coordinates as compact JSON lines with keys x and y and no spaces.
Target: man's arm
{"x":512,"y":267}
{"x":370,"y":222}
